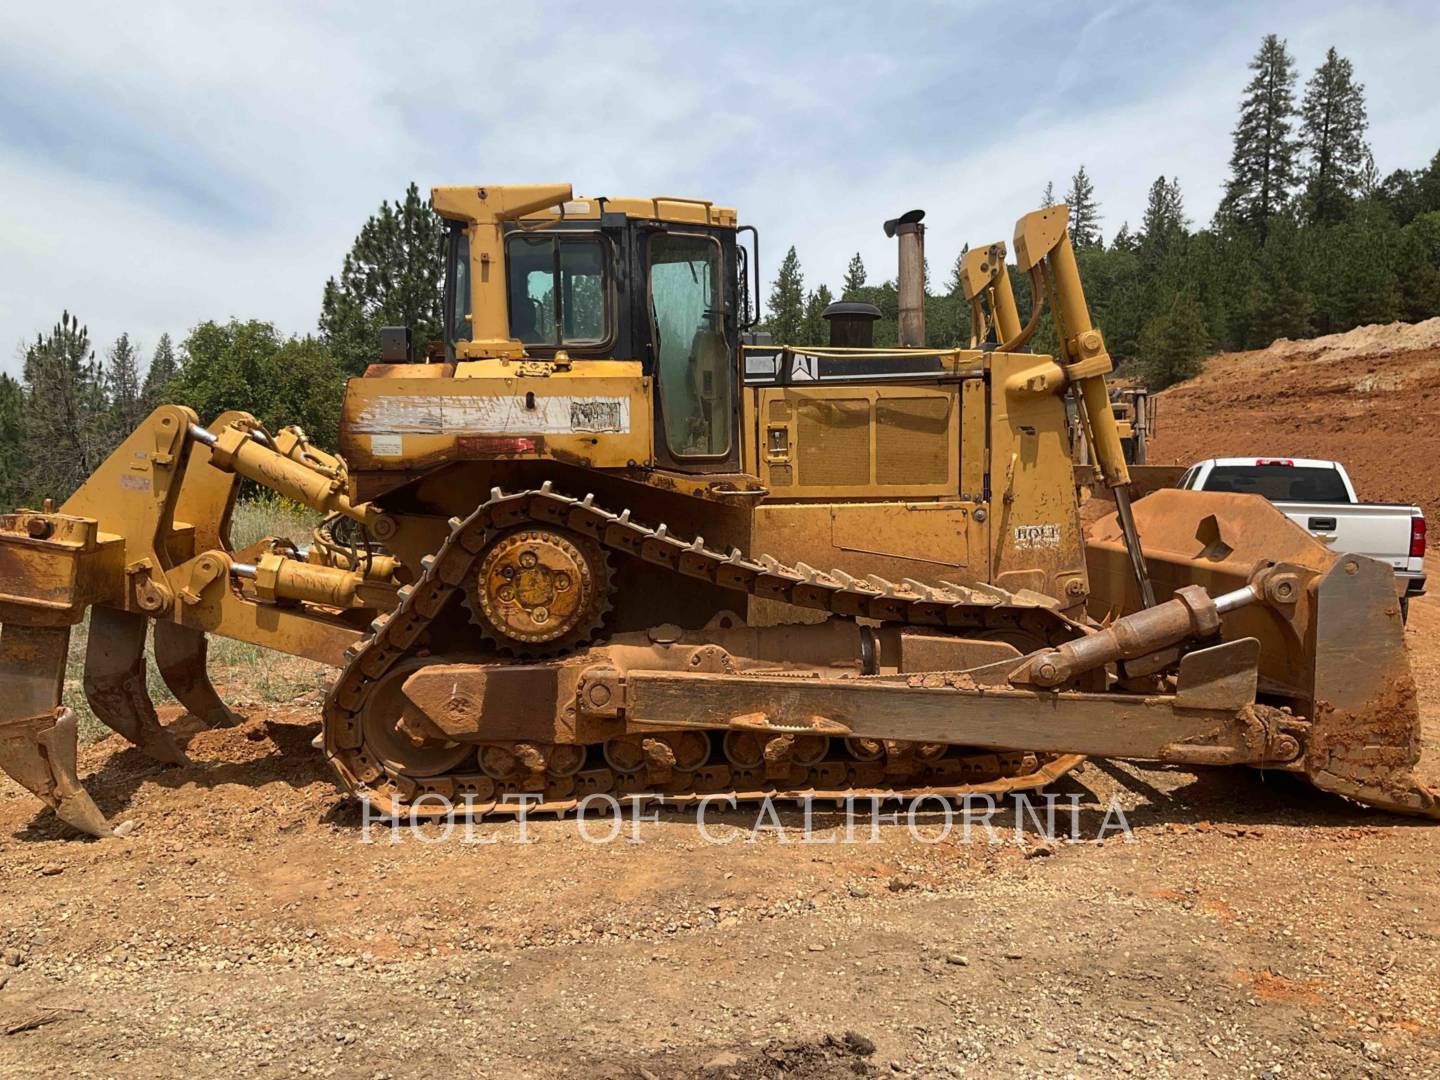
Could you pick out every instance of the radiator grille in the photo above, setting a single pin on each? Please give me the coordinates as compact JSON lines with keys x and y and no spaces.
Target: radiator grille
{"x":781,"y":475}
{"x":834,"y":442}
{"x":779,"y":411}
{"x":912,"y":443}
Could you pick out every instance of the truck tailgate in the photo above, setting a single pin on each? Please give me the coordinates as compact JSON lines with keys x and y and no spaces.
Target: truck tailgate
{"x":1378,"y":530}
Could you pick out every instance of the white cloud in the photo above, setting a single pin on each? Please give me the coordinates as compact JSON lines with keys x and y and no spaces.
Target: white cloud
{"x":170,"y":162}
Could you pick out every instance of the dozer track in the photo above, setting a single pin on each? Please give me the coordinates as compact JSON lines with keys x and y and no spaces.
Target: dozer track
{"x":398,"y":639}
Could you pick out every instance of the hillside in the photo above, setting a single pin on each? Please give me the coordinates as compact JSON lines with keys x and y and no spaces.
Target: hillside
{"x":1369,"y":398}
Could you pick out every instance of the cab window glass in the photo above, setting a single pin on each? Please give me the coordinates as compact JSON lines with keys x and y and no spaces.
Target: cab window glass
{"x":557,"y":290}
{"x":460,"y":288}
{"x":692,"y":355}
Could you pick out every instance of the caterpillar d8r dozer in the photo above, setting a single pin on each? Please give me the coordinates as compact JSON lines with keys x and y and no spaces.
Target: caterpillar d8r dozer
{"x":577,"y":554}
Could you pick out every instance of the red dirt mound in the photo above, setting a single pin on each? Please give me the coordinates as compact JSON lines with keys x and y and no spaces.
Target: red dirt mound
{"x":1369,"y":398}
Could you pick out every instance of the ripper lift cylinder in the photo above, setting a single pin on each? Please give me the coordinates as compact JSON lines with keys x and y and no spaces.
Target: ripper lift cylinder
{"x":236,"y":450}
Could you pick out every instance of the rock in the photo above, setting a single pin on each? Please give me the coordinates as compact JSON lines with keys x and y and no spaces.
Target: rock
{"x":125,"y":828}
{"x":859,"y":1044}
{"x":1014,"y":954}
{"x":1039,"y":851}
{"x":901,"y":883}
{"x":345,"y":961}
{"x":1373,"y":1050}
{"x":50,"y":869}
{"x":14,"y":957}
{"x":815,"y":946}
{"x":957,"y":959}
{"x":723,"y":1060}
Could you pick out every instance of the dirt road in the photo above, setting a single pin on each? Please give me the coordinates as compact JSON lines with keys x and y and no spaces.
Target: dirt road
{"x":1252,"y":927}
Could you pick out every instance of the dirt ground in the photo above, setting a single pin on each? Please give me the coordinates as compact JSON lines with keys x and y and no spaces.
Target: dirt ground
{"x":246,"y":927}
{"x":1368,"y":398}
{"x":1250,"y":927}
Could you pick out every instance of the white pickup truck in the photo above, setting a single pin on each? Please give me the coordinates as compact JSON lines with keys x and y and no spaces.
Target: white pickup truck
{"x":1318,"y":496}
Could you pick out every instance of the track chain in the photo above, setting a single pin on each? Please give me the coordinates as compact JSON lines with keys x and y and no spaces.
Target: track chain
{"x":395,"y":637}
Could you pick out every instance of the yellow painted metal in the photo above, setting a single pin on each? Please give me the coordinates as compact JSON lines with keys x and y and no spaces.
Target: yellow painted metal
{"x":974,"y":438}
{"x":280,"y":579}
{"x":485,"y":210}
{"x":596,"y":414}
{"x":1035,"y":526}
{"x":236,"y":451}
{"x":931,"y":541}
{"x":1042,"y":240}
{"x":52,"y":566}
{"x":844,"y":441}
{"x":983,"y":276}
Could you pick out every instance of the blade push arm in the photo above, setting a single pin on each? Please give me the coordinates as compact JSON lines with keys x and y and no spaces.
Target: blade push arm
{"x":1043,"y":249}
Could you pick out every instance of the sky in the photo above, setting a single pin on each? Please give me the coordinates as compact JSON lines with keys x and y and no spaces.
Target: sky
{"x":165,"y":163}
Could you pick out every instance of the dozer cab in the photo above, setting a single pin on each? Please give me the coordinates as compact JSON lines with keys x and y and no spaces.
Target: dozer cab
{"x":592,"y":544}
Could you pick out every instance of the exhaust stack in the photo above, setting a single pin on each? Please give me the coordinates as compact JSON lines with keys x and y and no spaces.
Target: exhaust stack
{"x":911,"y":280}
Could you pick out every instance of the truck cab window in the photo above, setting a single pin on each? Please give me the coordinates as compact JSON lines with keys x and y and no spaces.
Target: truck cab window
{"x":557,"y":290}
{"x":692,"y":356}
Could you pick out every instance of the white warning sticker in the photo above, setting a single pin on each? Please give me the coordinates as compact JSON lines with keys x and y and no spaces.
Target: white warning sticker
{"x":387,"y":445}
{"x":518,"y":414}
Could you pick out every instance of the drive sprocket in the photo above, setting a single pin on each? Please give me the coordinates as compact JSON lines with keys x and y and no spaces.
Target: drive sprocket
{"x":540,"y":591}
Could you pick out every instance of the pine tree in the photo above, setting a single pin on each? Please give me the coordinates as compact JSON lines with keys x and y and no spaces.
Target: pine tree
{"x":1164,"y":221}
{"x":391,"y":277}
{"x":123,"y":394}
{"x":162,"y":370}
{"x":1265,"y":160}
{"x":956,"y":285}
{"x":1333,"y":131}
{"x":854,"y":278}
{"x":787,"y":301}
{"x":815,"y":331}
{"x":12,"y":489}
{"x":1164,"y":209}
{"x":1047,"y":198}
{"x":1173,"y":345}
{"x":947,"y":316}
{"x":63,"y":423}
{"x":1123,"y":240}
{"x":1084,"y":211}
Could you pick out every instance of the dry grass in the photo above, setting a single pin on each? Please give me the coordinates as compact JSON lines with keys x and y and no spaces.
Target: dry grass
{"x":268,"y":514}
{"x":242,"y":672}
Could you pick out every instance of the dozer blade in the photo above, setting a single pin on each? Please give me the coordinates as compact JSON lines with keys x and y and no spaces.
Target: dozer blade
{"x":1365,"y":740}
{"x":1334,"y":651}
{"x":180,"y":655}
{"x":37,"y":737}
{"x":115,"y":683}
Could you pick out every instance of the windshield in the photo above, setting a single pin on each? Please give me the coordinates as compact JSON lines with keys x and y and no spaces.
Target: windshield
{"x":693,"y":358}
{"x":1280,"y":483}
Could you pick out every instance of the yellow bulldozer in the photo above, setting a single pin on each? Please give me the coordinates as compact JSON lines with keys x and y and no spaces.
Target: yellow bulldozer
{"x":605,"y":539}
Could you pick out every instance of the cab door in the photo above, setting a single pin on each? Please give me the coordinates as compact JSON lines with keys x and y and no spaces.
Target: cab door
{"x":692,"y":350}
